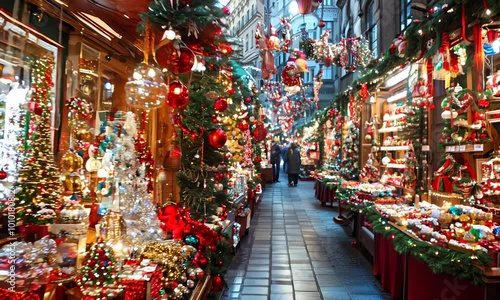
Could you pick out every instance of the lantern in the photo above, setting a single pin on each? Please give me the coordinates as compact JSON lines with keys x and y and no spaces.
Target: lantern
{"x":146,"y":89}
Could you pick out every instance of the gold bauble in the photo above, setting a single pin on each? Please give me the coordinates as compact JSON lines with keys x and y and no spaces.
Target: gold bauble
{"x":71,"y":162}
{"x":84,"y":135}
{"x":73,"y":184}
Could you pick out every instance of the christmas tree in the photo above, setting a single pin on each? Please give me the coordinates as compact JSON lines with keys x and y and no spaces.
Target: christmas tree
{"x":99,"y":272}
{"x":38,"y":189}
{"x":215,"y":97}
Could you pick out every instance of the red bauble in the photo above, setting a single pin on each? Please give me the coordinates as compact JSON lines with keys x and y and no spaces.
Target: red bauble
{"x":217,"y":138}
{"x":290,"y":76}
{"x":392,"y":49}
{"x":220,"y":104}
{"x":248,"y":100}
{"x":321,"y":24}
{"x":225,"y":49}
{"x":178,"y":95}
{"x":202,"y":261}
{"x":217,"y":283}
{"x":214,"y":119}
{"x":243,"y":126}
{"x":220,"y":263}
{"x":3,"y":174}
{"x":260,"y":132}
{"x":258,"y":159}
{"x":213,"y":248}
{"x":176,"y":61}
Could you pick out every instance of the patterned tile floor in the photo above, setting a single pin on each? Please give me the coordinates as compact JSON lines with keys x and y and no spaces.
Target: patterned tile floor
{"x":294,"y":251}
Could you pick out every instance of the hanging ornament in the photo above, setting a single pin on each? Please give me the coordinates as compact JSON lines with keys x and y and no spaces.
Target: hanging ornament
{"x":217,"y":138}
{"x":3,"y":174}
{"x":71,"y":162}
{"x":225,"y":49}
{"x":177,"y":60}
{"x":290,"y":76}
{"x":260,"y":132}
{"x":83,"y":134}
{"x":146,"y":89}
{"x":220,"y":104}
{"x":242,"y":142}
{"x":178,"y":95}
{"x":321,"y":24}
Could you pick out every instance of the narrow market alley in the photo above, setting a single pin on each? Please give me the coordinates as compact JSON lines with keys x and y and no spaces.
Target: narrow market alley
{"x":295,"y":251}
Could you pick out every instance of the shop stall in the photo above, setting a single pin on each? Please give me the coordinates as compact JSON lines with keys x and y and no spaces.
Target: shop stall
{"x":413,"y":147}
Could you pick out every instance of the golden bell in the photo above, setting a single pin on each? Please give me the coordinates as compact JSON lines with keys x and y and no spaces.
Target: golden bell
{"x":71,"y":162}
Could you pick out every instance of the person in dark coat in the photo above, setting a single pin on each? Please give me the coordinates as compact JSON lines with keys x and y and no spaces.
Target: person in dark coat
{"x":284,"y":150}
{"x":276,"y":160}
{"x":292,"y":159}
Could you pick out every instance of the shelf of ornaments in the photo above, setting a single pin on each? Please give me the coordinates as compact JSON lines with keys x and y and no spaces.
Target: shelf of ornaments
{"x":404,"y":217}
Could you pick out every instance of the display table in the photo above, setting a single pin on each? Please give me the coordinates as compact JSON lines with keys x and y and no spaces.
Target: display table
{"x":325,"y":192}
{"x":404,"y":277}
{"x":267,"y":175}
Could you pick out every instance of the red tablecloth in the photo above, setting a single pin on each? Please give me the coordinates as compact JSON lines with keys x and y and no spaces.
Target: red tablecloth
{"x":423,"y":284}
{"x":324,"y":193}
{"x":389,"y":266}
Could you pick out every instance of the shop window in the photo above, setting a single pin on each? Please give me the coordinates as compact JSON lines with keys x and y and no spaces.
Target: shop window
{"x":19,"y":45}
{"x":405,"y":14}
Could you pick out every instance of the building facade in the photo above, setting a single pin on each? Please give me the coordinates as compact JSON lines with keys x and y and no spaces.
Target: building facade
{"x":378,"y":21}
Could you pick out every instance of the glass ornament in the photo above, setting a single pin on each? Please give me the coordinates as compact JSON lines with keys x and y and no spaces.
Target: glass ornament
{"x":217,"y":138}
{"x":220,"y":104}
{"x":147,"y":88}
{"x":178,"y":95}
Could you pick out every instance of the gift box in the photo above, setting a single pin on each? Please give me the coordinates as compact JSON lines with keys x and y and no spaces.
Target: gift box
{"x":141,"y":282}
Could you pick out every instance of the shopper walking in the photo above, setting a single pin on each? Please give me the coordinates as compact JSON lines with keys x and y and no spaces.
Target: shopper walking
{"x":292,"y":159}
{"x":276,"y":160}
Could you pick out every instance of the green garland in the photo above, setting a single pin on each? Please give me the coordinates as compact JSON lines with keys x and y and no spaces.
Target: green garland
{"x":440,"y":260}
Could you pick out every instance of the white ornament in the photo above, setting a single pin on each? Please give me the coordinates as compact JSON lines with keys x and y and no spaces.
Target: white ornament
{"x":386,"y":160}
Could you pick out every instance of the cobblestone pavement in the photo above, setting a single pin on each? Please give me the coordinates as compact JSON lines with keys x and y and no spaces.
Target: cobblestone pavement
{"x":295,"y":251}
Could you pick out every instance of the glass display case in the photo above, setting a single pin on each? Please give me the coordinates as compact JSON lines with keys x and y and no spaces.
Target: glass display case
{"x":19,"y":45}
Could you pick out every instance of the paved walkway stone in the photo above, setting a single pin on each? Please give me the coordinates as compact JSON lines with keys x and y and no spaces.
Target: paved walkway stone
{"x":294,"y":251}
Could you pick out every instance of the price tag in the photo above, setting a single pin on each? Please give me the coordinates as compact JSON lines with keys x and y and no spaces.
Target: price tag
{"x":452,"y":149}
{"x":426,"y":148}
{"x":461,"y":148}
{"x":478,"y":147}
